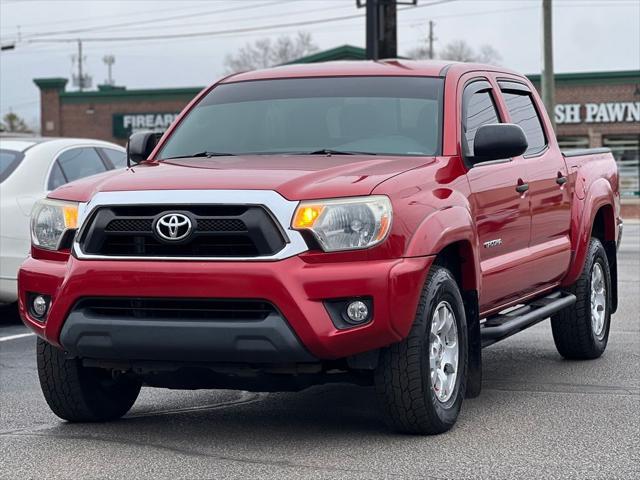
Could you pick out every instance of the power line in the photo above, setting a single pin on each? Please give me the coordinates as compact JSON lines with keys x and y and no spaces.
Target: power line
{"x":234,"y":20}
{"x":150,"y":20}
{"x":32,"y":48}
{"x":420,"y":23}
{"x":88,"y":19}
{"x":255,"y":17}
{"x":220,"y":32}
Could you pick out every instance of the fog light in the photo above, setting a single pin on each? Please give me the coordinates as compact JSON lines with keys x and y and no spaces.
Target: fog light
{"x":357,"y":312}
{"x":39,"y":306}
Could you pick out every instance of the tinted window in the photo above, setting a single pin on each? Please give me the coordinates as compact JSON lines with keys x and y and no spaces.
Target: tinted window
{"x":389,"y":115}
{"x":116,"y":157}
{"x":523,"y":113}
{"x":479,"y":110}
{"x":56,"y":178}
{"x":80,"y":162}
{"x":9,"y":160}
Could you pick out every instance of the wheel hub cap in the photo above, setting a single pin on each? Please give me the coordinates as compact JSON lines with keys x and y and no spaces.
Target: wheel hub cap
{"x":598,"y":300}
{"x":443,"y":351}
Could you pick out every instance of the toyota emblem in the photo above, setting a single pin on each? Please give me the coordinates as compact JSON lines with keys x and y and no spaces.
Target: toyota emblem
{"x":173,"y":227}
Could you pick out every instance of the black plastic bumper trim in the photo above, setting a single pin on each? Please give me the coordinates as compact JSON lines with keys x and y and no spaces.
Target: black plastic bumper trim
{"x":266,"y":341}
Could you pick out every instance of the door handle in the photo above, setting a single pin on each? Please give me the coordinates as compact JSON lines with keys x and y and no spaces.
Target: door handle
{"x":561,"y":180}
{"x":522,"y":187}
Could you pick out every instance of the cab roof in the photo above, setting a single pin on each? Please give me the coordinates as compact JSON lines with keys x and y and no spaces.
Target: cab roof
{"x":391,"y":67}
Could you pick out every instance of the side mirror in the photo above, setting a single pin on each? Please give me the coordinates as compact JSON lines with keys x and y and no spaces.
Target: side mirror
{"x":140,"y":146}
{"x":498,"y":141}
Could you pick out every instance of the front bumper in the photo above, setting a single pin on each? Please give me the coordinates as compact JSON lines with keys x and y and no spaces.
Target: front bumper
{"x":270,"y":340}
{"x":296,"y":286}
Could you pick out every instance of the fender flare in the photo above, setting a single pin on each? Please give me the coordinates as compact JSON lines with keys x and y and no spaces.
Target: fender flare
{"x":439,"y":230}
{"x":445,"y":227}
{"x":583,"y":216}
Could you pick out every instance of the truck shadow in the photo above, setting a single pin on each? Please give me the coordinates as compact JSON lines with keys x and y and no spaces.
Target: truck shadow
{"x":335,"y":412}
{"x":9,"y":314}
{"x":327,"y":410}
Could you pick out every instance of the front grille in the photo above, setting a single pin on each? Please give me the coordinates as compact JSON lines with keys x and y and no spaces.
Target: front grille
{"x":221,"y":225}
{"x":175,"y":308}
{"x":136,"y":225}
{"x":130,"y":225}
{"x":217,"y":231}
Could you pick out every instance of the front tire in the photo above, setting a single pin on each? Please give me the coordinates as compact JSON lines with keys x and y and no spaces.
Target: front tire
{"x":81,"y":394}
{"x":581,"y":332}
{"x":421,"y":380}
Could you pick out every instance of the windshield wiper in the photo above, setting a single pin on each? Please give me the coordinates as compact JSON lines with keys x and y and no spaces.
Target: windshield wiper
{"x":329,"y":152}
{"x":201,"y":154}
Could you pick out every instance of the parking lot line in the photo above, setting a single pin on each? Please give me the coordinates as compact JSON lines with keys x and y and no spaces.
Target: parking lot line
{"x":15,"y":337}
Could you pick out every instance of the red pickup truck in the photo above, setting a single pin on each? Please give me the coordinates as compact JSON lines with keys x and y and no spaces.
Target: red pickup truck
{"x":370,"y":222}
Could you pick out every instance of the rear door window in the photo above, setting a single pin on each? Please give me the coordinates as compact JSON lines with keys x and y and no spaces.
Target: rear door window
{"x":524,"y":113}
{"x":9,"y":160}
{"x":80,"y":162}
{"x":56,"y":177}
{"x":117,"y":158}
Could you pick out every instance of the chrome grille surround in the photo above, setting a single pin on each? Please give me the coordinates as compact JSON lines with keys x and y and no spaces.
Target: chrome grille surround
{"x":277,"y":206}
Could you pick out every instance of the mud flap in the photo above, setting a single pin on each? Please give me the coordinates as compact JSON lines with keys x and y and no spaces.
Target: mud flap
{"x":474,"y":369}
{"x":610,"y":248}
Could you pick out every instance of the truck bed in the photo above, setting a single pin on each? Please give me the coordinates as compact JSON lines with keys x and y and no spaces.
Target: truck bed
{"x":581,"y":152}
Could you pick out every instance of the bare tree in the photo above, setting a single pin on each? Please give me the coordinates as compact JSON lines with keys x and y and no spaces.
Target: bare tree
{"x":419,"y":53}
{"x":264,"y":53}
{"x":14,"y":123}
{"x":460,"y":51}
{"x":488,"y":54}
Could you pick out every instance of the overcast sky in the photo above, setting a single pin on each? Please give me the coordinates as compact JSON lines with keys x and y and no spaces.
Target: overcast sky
{"x":589,"y":35}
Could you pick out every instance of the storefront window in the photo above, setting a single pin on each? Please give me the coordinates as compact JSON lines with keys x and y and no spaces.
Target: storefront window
{"x":570,"y":143}
{"x":626,"y":151}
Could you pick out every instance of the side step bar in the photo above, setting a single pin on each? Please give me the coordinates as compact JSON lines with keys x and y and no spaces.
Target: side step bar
{"x":501,"y":326}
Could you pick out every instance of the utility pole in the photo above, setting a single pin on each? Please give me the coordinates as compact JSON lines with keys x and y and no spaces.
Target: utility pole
{"x":81,"y":80}
{"x":382,"y":37}
{"x":389,"y":34}
{"x":373,"y":24}
{"x":431,"y":39}
{"x":80,"y":77}
{"x":547,"y":80}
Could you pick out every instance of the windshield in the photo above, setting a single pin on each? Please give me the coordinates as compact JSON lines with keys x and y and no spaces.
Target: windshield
{"x":371,"y":115}
{"x":9,"y":160}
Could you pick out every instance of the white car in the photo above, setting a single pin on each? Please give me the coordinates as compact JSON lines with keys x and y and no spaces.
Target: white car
{"x":29,"y":168}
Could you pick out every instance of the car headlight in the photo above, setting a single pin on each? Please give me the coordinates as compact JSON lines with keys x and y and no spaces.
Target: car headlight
{"x":346,"y":223}
{"x":50,"y":220}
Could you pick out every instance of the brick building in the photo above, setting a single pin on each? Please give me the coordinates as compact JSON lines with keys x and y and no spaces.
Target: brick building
{"x":108,"y":113}
{"x":593,"y":110}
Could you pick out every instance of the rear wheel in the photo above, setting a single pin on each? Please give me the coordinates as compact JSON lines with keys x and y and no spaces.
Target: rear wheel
{"x":582,"y":331}
{"x":421,"y":380}
{"x":80,"y":394}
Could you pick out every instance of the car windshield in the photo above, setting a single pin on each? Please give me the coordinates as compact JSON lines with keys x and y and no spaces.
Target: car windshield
{"x":9,"y":160}
{"x":332,"y":115}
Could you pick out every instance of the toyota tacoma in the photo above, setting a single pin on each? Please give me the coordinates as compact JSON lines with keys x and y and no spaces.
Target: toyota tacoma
{"x":370,"y":222}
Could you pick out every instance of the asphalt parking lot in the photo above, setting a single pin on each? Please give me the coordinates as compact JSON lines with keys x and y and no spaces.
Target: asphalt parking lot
{"x":539,"y":416}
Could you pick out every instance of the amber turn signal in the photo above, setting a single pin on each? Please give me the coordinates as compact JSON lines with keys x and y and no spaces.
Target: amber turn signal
{"x":306,"y":216}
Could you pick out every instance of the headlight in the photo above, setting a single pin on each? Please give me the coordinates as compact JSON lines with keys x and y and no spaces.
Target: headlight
{"x":346,"y":224}
{"x":50,"y":220}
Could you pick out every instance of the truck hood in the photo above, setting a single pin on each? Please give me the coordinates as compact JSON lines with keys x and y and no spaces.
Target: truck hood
{"x":295,"y":177}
